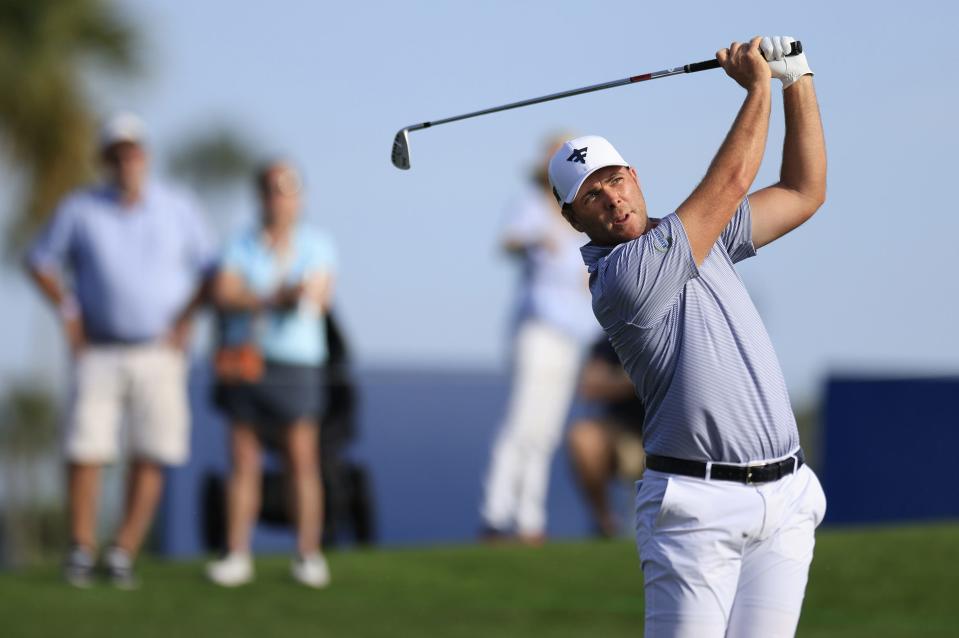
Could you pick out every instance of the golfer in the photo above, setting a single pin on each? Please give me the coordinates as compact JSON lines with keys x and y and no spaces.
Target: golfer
{"x":726,"y":512}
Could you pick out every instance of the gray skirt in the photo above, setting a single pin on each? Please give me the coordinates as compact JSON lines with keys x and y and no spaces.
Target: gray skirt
{"x":285,"y":394}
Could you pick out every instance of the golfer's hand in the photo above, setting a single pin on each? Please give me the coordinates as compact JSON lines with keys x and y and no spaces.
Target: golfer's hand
{"x":787,"y":69}
{"x":745,"y":64}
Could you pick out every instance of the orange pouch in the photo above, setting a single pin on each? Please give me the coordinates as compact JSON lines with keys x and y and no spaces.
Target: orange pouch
{"x":242,"y":363}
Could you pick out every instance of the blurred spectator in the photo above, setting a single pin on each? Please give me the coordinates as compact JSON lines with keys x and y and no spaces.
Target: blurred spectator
{"x":347,"y":490}
{"x":610,"y":443}
{"x":274,"y":284}
{"x":553,"y":323}
{"x":123,"y":263}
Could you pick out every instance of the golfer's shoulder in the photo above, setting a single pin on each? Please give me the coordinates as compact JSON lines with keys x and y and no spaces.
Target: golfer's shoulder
{"x":649,"y":266}
{"x":627,"y":258}
{"x":617,"y":273}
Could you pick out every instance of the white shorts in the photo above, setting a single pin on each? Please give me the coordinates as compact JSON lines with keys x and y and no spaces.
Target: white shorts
{"x":724,"y":559}
{"x":146,"y":384}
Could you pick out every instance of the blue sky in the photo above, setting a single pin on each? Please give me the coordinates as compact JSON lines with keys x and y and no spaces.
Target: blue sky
{"x":863,"y":287}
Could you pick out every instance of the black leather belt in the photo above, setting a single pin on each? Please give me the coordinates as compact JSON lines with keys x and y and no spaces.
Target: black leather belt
{"x":116,"y":341}
{"x":718,"y":471}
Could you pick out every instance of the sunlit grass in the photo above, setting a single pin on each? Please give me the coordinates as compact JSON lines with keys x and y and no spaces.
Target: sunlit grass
{"x":898,"y":581}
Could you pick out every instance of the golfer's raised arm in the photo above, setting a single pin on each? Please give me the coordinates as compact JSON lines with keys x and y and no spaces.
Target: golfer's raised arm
{"x":801,"y":188}
{"x":712,"y":204}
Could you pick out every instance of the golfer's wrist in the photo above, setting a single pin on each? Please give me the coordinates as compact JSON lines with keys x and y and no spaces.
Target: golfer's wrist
{"x":758,"y":87}
{"x":804,"y":79}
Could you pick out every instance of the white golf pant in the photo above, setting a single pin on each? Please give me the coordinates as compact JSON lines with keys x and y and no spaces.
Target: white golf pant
{"x":546,"y":371}
{"x":721,"y":558}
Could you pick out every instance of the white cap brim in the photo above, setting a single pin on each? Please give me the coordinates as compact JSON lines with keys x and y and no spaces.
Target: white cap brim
{"x":575,"y":191}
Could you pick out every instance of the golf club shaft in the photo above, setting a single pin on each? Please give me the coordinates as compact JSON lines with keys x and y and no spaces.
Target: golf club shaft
{"x":687,"y":68}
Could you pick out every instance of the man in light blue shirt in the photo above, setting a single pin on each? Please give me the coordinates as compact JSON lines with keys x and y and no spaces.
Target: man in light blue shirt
{"x":125,"y":263}
{"x":134,"y":265}
{"x":552,"y":288}
{"x":726,"y":511}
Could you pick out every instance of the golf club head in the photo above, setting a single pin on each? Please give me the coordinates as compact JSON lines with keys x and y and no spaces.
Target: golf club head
{"x":401,"y":149}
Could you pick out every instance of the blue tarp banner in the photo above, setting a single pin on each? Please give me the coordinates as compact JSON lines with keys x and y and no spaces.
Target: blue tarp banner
{"x":891,"y":449}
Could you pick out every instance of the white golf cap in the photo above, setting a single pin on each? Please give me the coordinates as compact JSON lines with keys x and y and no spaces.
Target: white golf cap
{"x":122,"y":127}
{"x":576,"y":160}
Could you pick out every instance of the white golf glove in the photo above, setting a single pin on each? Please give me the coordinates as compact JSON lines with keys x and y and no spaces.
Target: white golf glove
{"x":786,"y":69}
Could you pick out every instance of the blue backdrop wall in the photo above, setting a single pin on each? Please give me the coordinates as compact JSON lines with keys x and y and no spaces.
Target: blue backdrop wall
{"x":424,"y":437}
{"x":888,"y":454}
{"x":890,"y":449}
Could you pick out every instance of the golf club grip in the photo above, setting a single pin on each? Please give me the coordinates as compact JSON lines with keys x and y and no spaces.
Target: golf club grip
{"x":795,"y":49}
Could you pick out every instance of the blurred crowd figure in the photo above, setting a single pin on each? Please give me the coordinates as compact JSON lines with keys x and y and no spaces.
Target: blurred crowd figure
{"x":608,"y":444}
{"x":129,"y":261}
{"x":348,"y":511}
{"x":125,"y":264}
{"x":552,"y":326}
{"x":272,"y":288}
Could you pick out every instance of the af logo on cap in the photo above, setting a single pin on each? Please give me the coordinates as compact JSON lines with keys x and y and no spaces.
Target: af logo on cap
{"x":578,"y":155}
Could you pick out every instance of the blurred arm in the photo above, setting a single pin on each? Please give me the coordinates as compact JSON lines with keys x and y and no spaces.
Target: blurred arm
{"x":603,"y":381}
{"x":518,"y":248}
{"x":318,"y":290}
{"x":179,"y":334}
{"x":51,"y":286}
{"x":49,"y":283}
{"x":230,"y":293}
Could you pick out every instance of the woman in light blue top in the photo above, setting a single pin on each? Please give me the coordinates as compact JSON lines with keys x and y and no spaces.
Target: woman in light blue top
{"x":273,"y":287}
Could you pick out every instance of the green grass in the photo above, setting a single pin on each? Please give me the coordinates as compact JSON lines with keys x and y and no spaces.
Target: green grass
{"x":899,"y":581}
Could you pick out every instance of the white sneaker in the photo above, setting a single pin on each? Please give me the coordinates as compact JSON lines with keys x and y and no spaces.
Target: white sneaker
{"x":119,"y":568}
{"x":311,"y":571}
{"x":232,"y":570}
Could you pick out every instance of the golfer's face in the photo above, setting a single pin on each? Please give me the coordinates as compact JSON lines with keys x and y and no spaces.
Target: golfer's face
{"x":610,"y":207}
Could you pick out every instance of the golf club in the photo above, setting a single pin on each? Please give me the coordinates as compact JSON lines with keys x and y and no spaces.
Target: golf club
{"x":401,"y":143}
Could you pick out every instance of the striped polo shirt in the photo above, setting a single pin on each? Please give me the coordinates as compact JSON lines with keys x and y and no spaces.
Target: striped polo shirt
{"x":694,"y":344}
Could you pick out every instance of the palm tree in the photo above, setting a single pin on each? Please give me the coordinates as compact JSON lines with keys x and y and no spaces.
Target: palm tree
{"x":31,"y":522}
{"x":213,"y":162}
{"x":46,"y":119}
